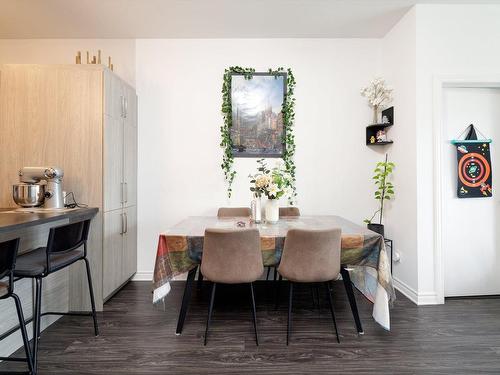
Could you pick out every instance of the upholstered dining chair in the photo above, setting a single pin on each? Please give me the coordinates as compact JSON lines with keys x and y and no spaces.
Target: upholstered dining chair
{"x":226,"y":212}
{"x":234,"y":212}
{"x":284,"y":212}
{"x":289,"y":211}
{"x":311,"y":256}
{"x":231,"y":257}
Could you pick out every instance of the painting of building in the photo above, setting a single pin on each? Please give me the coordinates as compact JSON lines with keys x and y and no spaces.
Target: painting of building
{"x":257,"y":118}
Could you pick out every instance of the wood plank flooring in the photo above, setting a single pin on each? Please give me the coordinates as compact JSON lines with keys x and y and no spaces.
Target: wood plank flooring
{"x":460,"y":337}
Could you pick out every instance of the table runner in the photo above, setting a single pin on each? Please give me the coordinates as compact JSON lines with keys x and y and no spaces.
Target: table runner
{"x":363,"y":252}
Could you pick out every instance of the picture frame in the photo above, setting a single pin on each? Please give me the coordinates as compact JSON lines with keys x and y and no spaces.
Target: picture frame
{"x":257,"y":114}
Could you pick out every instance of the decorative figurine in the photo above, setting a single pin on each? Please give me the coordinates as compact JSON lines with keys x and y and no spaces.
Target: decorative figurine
{"x":381,"y":136}
{"x":372,"y":139}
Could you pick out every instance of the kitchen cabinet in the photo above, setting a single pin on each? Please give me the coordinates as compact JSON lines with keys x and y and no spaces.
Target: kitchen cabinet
{"x":82,"y":118}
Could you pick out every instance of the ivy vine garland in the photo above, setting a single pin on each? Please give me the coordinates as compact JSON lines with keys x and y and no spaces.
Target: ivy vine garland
{"x":288,"y":120}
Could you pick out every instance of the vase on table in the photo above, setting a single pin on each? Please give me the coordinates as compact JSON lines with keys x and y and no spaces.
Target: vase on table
{"x":272,"y":210}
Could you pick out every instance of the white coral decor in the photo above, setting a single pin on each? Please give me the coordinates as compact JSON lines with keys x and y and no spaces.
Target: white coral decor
{"x":378,"y":95}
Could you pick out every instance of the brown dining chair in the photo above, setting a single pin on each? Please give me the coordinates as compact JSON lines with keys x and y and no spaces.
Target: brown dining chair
{"x":289,"y":211}
{"x":234,"y":212}
{"x":311,"y":256}
{"x":226,"y":212}
{"x":232,"y":257}
{"x":284,"y":212}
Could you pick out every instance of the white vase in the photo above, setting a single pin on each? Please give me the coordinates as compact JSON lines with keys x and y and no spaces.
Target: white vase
{"x":272,"y":210}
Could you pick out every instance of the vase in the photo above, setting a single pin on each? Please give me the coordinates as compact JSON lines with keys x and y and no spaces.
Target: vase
{"x":375,"y":114}
{"x":272,"y":211}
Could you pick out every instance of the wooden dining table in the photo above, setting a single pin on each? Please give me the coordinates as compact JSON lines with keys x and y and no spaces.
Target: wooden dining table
{"x":363,"y":256}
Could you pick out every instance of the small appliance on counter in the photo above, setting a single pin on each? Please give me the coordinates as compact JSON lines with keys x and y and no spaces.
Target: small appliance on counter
{"x":39,"y":186}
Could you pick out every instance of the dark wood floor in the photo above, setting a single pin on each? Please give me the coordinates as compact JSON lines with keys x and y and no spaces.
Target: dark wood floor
{"x":460,"y":337}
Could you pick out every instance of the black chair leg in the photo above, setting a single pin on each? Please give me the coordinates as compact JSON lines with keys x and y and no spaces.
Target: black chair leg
{"x":210,"y":309}
{"x":352,"y":299}
{"x":268,"y":272}
{"x":277,"y":289}
{"x":329,"y":295}
{"x":185,"y":301}
{"x":36,"y":322}
{"x":92,"y":300}
{"x":254,"y":315}
{"x":199,"y":284}
{"x":289,"y":325}
{"x":24,"y":334}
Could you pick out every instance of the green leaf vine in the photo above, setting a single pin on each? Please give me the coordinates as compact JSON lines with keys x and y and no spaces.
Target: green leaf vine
{"x":288,"y":111}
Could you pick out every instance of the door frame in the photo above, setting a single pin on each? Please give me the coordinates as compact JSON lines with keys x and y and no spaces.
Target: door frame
{"x":440,"y":83}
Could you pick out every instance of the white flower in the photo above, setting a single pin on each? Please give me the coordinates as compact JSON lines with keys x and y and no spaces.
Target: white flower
{"x":262,"y":181}
{"x":273,"y":190}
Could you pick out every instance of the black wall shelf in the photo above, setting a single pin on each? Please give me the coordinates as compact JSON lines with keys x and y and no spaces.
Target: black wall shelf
{"x":372,"y":129}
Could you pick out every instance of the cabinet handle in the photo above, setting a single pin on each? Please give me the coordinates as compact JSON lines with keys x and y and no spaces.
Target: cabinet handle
{"x":125,"y":107}
{"x":122,"y":104}
{"x":126,"y":192}
{"x":121,"y":193}
{"x":123,"y":223}
{"x":126,"y":223}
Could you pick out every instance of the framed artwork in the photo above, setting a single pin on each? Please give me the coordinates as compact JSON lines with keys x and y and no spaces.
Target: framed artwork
{"x":257,"y":119}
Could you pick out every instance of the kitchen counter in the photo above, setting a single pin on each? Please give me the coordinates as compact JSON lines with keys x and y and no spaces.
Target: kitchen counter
{"x":15,"y":219}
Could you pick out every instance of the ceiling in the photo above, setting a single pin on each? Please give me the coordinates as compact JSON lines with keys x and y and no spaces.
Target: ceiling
{"x":203,"y":18}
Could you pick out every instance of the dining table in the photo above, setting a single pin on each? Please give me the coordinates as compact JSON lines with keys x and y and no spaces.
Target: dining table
{"x":363,"y":256}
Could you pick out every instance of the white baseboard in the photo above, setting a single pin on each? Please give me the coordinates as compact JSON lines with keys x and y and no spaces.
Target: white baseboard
{"x":428,"y":298}
{"x":143,"y":276}
{"x":405,"y":289}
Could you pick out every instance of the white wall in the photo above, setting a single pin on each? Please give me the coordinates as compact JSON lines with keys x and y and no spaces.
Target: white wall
{"x":451,"y":40}
{"x":470,"y":230}
{"x":63,"y":51}
{"x":179,"y":88}
{"x":398,"y":64}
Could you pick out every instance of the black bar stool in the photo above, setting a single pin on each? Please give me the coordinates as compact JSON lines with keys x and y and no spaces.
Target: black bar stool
{"x":64,"y":247}
{"x":8,"y":252}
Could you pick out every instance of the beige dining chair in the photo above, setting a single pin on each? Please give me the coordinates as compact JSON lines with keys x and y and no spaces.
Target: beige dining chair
{"x":234,"y":212}
{"x":231,"y":257}
{"x":289,"y":211}
{"x":284,"y":212}
{"x":311,"y":256}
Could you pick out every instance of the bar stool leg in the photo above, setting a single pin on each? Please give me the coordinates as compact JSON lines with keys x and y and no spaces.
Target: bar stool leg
{"x":36,"y":322}
{"x":92,"y":301}
{"x":254,"y":315}
{"x":24,"y":334}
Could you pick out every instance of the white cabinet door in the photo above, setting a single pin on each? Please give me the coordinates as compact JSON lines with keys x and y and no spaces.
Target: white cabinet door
{"x":112,"y":252}
{"x":130,"y":164}
{"x":113,"y":164}
{"x":129,"y":262}
{"x":114,"y":96}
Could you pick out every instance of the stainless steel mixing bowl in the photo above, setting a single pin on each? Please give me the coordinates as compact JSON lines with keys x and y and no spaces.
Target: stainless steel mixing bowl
{"x":28,"y":195}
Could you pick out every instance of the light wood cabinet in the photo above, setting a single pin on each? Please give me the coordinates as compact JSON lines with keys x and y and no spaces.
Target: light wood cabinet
{"x":82,"y":118}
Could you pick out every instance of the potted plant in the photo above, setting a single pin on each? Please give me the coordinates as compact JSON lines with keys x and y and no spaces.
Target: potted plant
{"x":385,"y":191}
{"x":378,"y":95}
{"x":272,"y":183}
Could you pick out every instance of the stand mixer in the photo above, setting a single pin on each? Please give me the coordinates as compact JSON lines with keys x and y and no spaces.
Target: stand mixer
{"x":39,"y":186}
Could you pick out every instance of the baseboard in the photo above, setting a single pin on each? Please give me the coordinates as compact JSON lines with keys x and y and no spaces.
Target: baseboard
{"x":143,"y":276}
{"x":405,"y":289}
{"x":428,"y":298}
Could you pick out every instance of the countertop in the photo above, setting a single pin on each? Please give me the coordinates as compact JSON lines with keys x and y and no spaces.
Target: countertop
{"x":10,"y":219}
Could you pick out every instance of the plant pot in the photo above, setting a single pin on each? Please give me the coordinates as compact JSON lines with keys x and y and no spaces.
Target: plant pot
{"x":272,"y":211}
{"x":378,"y":228}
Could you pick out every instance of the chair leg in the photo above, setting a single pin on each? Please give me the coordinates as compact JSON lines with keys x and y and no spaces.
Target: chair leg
{"x":36,"y":322}
{"x":254,"y":315}
{"x":352,"y":299}
{"x":185,"y":301}
{"x":277,"y":289}
{"x":24,"y":334}
{"x":199,"y":284}
{"x":329,"y":295}
{"x":92,"y":300}
{"x":268,"y":272}
{"x":210,"y":309}
{"x":289,"y":325}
